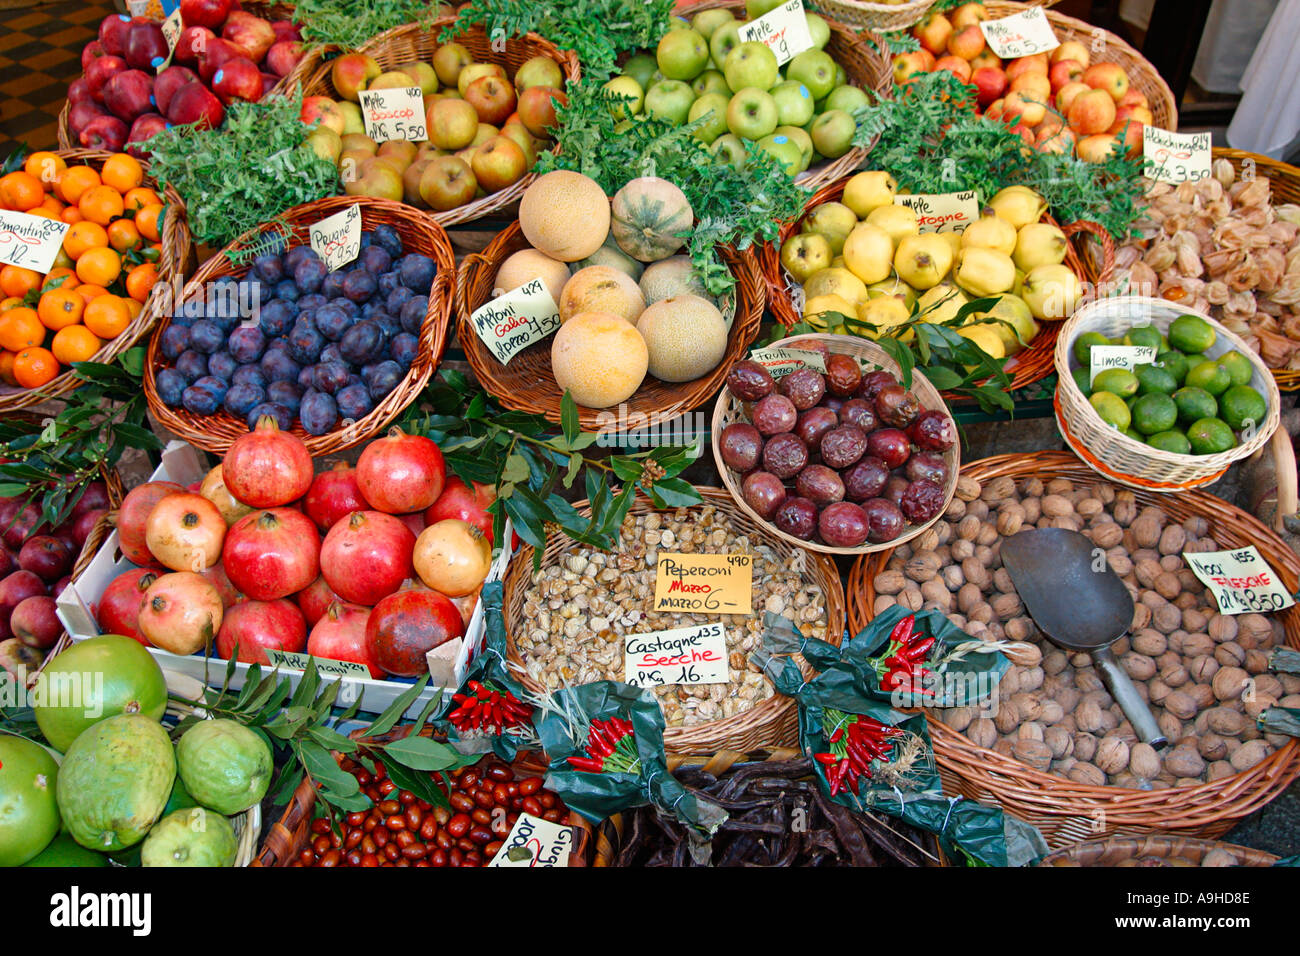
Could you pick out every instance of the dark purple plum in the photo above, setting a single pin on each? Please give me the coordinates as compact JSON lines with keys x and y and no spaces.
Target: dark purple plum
{"x":804,"y":387}
{"x":332,"y":287}
{"x":246,"y":344}
{"x":287,"y":290}
{"x":305,"y":344}
{"x":310,"y":276}
{"x":333,"y":322}
{"x":865,"y":479}
{"x":223,"y":365}
{"x":298,"y":255}
{"x":414,"y":313}
{"x":417,"y":272}
{"x":843,"y":525}
{"x":354,"y":402}
{"x":242,"y":399}
{"x":204,"y":397}
{"x":889,"y":445}
{"x":386,"y":236}
{"x":404,"y":347}
{"x":785,"y":455}
{"x":884,"y":521}
{"x":385,"y":377}
{"x":922,"y":501}
{"x":820,"y":485}
{"x":842,"y":446}
{"x":318,"y":413}
{"x":749,"y":381}
{"x":797,"y":517}
{"x":268,"y":268}
{"x":896,"y":406}
{"x":394,"y":301}
{"x":933,"y":431}
{"x":277,"y":317}
{"x":387,"y":283}
{"x":363,"y":343}
{"x":283,"y":417}
{"x":740,"y":446}
{"x":287,"y":394}
{"x":313,"y":301}
{"x":193,"y":365}
{"x":171,"y":386}
{"x":206,"y":336}
{"x":249,"y":375}
{"x":277,"y":366}
{"x":843,"y":375}
{"x":763,"y":492}
{"x":330,"y":377}
{"x":175,"y":340}
{"x":376,"y":260}
{"x":774,"y":415}
{"x":359,"y":285}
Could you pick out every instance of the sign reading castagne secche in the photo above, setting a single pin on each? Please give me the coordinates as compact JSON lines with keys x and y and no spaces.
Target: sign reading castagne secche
{"x":1175,"y":157}
{"x":394,"y":114}
{"x":784,"y":31}
{"x":337,"y":238}
{"x":1022,"y":34}
{"x":683,"y":655}
{"x":942,"y":212}
{"x":1128,"y":357}
{"x":704,"y":583}
{"x":1241,"y":580}
{"x":31,"y":242}
{"x":513,"y":321}
{"x":781,"y":362}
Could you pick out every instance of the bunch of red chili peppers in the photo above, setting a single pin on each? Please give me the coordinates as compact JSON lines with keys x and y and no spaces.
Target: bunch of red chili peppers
{"x":855,"y":741}
{"x":611,"y":746}
{"x":483,"y":709}
{"x":904,"y":657}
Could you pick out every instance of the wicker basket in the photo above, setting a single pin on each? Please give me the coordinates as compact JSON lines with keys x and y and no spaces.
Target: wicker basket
{"x":1067,"y":812}
{"x":527,"y":383}
{"x":1125,"y":851}
{"x":175,"y":242}
{"x":403,"y":44}
{"x":1031,"y":365}
{"x":419,"y":233}
{"x":888,"y":17}
{"x":1112,"y":453}
{"x":728,"y":410}
{"x":858,"y":53}
{"x":773,"y":723}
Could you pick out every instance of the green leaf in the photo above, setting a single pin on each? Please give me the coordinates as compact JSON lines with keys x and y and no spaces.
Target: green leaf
{"x":308,"y":684}
{"x":627,"y":469}
{"x":419,"y":783}
{"x":575,"y":465}
{"x":569,"y":417}
{"x":429,"y":709}
{"x":674,"y":493}
{"x":286,"y":782}
{"x":943,"y":378}
{"x":421,"y":753}
{"x":516,"y":469}
{"x":393,"y":713}
{"x":331,"y":739}
{"x":325,"y":770}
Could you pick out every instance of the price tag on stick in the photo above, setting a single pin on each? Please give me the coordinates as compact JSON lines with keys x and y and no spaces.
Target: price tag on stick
{"x":394,"y":114}
{"x":683,"y":655}
{"x":31,"y":242}
{"x":337,"y":238}
{"x":704,"y":583}
{"x":171,"y":31}
{"x":534,"y":842}
{"x":784,"y":30}
{"x":942,"y":212}
{"x":1022,"y":34}
{"x":512,"y":322}
{"x":1175,"y":157}
{"x":1241,"y":580}
{"x":1127,"y":357}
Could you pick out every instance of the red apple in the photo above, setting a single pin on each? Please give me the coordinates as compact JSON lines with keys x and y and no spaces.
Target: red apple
{"x":205,"y":13}
{"x":146,"y":47}
{"x":168,"y":82}
{"x":285,"y":30}
{"x":990,"y":83}
{"x":127,"y":94}
{"x":283,"y":56}
{"x":251,"y":35}
{"x":1109,"y":77}
{"x":492,"y":98}
{"x":268,"y":82}
{"x":104,"y":132}
{"x":79,"y":90}
{"x":933,"y":32}
{"x":905,"y":66}
{"x":237,"y":79}
{"x":90,"y":52}
{"x":323,"y":110}
{"x":955,"y":65}
{"x":194,"y":103}
{"x":537,"y":109}
{"x":112,"y":33}
{"x":100,"y":71}
{"x":966,"y":42}
{"x":217,"y":52}
{"x":498,"y":163}
{"x":191,"y":44}
{"x":1063,"y":72}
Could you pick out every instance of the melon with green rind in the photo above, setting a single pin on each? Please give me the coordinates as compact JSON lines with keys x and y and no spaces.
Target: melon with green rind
{"x":29,"y":815}
{"x":685,"y":336}
{"x":669,"y":277}
{"x":191,"y":837}
{"x":609,"y":254}
{"x":115,"y":781}
{"x":225,"y":766}
{"x":651,"y":218}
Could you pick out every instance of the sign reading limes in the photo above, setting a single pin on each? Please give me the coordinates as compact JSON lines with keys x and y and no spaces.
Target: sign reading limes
{"x":1241,"y":580}
{"x":1126,"y":357}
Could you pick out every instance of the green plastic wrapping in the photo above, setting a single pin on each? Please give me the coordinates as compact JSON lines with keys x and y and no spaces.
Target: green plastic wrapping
{"x":1284,"y":659}
{"x":1280,"y":720}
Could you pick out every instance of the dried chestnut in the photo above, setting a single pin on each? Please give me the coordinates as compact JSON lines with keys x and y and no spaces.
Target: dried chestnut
{"x":804,"y":386}
{"x":749,"y":381}
{"x":843,"y":445}
{"x":763,"y":492}
{"x":797,"y":517}
{"x":814,"y":423}
{"x":857,"y":411}
{"x":843,"y":525}
{"x":774,"y":415}
{"x":820,"y":485}
{"x":865,"y":479}
{"x":872,"y":383}
{"x":933,"y":431}
{"x":843,"y":375}
{"x":922,"y":501}
{"x":889,"y":445}
{"x":896,"y":406}
{"x":785,"y":455}
{"x":884,"y":520}
{"x":927,"y":466}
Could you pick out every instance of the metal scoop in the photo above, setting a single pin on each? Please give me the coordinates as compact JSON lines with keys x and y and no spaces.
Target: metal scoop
{"x":1082,"y":605}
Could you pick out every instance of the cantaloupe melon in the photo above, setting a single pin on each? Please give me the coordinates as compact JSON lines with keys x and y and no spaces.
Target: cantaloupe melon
{"x":609,"y":254}
{"x":651,"y":218}
{"x":600,"y":358}
{"x":565,"y":215}
{"x":601,"y":289}
{"x":669,"y":277}
{"x":686,"y":337}
{"x":526,"y":265}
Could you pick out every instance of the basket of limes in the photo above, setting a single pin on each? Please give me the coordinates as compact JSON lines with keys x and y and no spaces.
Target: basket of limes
{"x":1165,"y":423}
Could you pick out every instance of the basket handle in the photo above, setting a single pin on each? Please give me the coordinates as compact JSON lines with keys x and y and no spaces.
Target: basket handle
{"x":462,"y":280}
{"x":1104,"y":239}
{"x":1284,"y":464}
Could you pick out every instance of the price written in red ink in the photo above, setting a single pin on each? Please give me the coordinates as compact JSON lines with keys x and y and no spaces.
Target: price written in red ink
{"x":394,"y":114}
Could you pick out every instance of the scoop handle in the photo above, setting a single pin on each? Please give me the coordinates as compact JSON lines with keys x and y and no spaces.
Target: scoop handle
{"x":1135,"y":708}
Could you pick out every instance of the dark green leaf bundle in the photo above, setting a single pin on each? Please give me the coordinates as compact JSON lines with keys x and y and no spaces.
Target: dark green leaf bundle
{"x":350,"y":23}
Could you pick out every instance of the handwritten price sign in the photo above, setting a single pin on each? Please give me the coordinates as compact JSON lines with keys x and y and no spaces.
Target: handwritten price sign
{"x":1126,"y":357}
{"x":30,"y":241}
{"x":1023,"y":34}
{"x":1241,"y":580}
{"x":942,"y":212}
{"x":684,"y":655}
{"x":781,"y":362}
{"x":337,"y":238}
{"x":1175,"y":157}
{"x":784,"y":30}
{"x":394,"y":114}
{"x":327,"y":667}
{"x":534,"y":842}
{"x":512,"y":322}
{"x":171,"y":31}
{"x":704,"y":583}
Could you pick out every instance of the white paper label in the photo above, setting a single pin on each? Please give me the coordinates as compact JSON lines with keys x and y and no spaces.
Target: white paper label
{"x":171,"y":31}
{"x":1126,"y":357}
{"x":1241,"y":580}
{"x":326,"y":667}
{"x":31,"y":242}
{"x":942,"y":212}
{"x":337,"y":238}
{"x":535,"y":842}
{"x":684,"y":655}
{"x":781,"y":362}
{"x":1022,"y":34}
{"x":784,"y":30}
{"x":512,"y":322}
{"x":1175,"y":157}
{"x":394,"y":114}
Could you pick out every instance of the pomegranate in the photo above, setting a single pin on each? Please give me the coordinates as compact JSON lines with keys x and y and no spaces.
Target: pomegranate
{"x":267,"y":467}
{"x":253,"y":627}
{"x":367,"y":557}
{"x":452,"y":557}
{"x":185,"y":532}
{"x":45,"y":556}
{"x":314,"y":599}
{"x":133,"y":515}
{"x":459,"y":501}
{"x":119,"y":606}
{"x":405,"y":626}
{"x":271,"y":554}
{"x":466,"y":604}
{"x":217,"y":577}
{"x":214,"y":489}
{"x":93,"y":498}
{"x":414,"y":522}
{"x":180,"y":612}
{"x":333,"y":495}
{"x":401,"y":473}
{"x":340,"y":635}
{"x":35,"y":623}
{"x":15,"y":589}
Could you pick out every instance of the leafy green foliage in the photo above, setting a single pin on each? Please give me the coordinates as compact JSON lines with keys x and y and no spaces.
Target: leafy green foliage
{"x":251,"y":170}
{"x":350,"y":23}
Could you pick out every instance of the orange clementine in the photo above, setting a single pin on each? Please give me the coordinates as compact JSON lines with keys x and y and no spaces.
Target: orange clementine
{"x":149,"y":221}
{"x":99,"y":266}
{"x":34,"y":367}
{"x":140,"y":280}
{"x":106,"y":315}
{"x":60,"y":308}
{"x":137,"y":199}
{"x":17,"y":281}
{"x":122,"y":171}
{"x":76,"y":343}
{"x":101,"y":204}
{"x":133,"y":307}
{"x":90,"y":291}
{"x":84,"y":236}
{"x":45,"y":166}
{"x":77,"y":180}
{"x":123,"y":235}
{"x":54,"y":275}
{"x":7,"y":367}
{"x":20,"y":328}
{"x":71,"y":215}
{"x":21,"y":190}
{"x":10,"y":302}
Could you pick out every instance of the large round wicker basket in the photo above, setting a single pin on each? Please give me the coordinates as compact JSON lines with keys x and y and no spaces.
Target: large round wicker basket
{"x":1158,"y":849}
{"x":887,"y":17}
{"x":527,"y":383}
{"x":175,"y":242}
{"x":773,"y":722}
{"x":1068,"y":812}
{"x":729,"y":410}
{"x":419,"y":234}
{"x":1117,"y":456}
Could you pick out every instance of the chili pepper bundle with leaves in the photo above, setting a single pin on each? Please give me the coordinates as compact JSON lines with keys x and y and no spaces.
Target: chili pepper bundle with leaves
{"x":855,"y":743}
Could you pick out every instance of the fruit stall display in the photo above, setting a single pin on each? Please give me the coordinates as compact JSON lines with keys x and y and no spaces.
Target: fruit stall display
{"x":335,"y":356}
{"x":127,"y":240}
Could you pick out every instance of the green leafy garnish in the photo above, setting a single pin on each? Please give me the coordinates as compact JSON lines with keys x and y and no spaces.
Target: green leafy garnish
{"x":350,"y":23}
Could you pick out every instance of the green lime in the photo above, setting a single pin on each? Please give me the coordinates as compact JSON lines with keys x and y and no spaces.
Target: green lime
{"x":1135,"y":435}
{"x":1191,"y":333}
{"x":1242,"y":407}
{"x":1175,"y":363}
{"x":1117,"y":381}
{"x":1143,"y":335}
{"x":1209,"y":375}
{"x":1238,"y":367}
{"x":1172,"y":440}
{"x":1196,"y":358}
{"x":1209,"y":436}
{"x":1084,"y":343}
{"x":1111,"y":408}
{"x":1081,"y":379}
{"x":1153,"y":378}
{"x":1194,"y":403}
{"x":1154,"y":413}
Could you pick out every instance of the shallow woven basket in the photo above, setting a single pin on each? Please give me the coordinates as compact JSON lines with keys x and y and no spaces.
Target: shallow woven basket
{"x":1105,"y":47}
{"x":1031,"y":365}
{"x":404,"y":44}
{"x":729,"y":410}
{"x":880,"y":17}
{"x":1067,"y":812}
{"x":866,"y":67}
{"x":1118,"y":851}
{"x":773,"y":722}
{"x":175,"y":242}
{"x":527,"y":384}
{"x":1113,"y":454}
{"x":419,"y":233}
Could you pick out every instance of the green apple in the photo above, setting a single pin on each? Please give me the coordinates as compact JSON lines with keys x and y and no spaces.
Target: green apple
{"x":725,"y":39}
{"x":631,"y":97}
{"x":832,"y":133}
{"x":794,"y":104}
{"x":682,"y":54}
{"x":670,"y":100}
{"x":641,"y":67}
{"x":709,"y":20}
{"x":803,"y":139}
{"x":815,"y":70}
{"x":751,"y":65}
{"x":819,"y":30}
{"x":840,"y":76}
{"x":804,"y":254}
{"x":785,"y":151}
{"x":756,"y":8}
{"x":752,"y":113}
{"x":711,"y":81}
{"x":730,"y":149}
{"x":714,"y":106}
{"x":846,"y":98}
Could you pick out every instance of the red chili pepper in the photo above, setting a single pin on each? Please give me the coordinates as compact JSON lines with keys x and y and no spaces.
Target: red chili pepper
{"x":589,"y":764}
{"x":917,"y":651}
{"x":902,"y":631}
{"x":826,"y":759}
{"x":598,"y":746}
{"x":839,"y":733}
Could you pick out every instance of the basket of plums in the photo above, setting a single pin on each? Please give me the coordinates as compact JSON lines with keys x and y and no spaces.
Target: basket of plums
{"x":817,"y":437}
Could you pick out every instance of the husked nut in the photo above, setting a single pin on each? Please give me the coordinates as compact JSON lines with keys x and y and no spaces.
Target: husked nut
{"x":1138,"y":666}
{"x":1056,"y":505}
{"x":1184,"y":761}
{"x":1172,"y":540}
{"x":1112,"y":754}
{"x":998,"y":489}
{"x":888,"y":582}
{"x":982,"y":732}
{"x":968,"y":528}
{"x":1212,"y":747}
{"x":1181,"y":704}
{"x":1229,"y":683}
{"x":1034,"y":753}
{"x":1106,"y":535}
{"x":1168,"y":586}
{"x":1202,"y":669}
{"x":1143,"y":761}
{"x":1249,"y":754}
{"x":958,"y":718}
{"x":1087,"y":774}
{"x":968,"y":489}
{"x":1032,"y":730}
